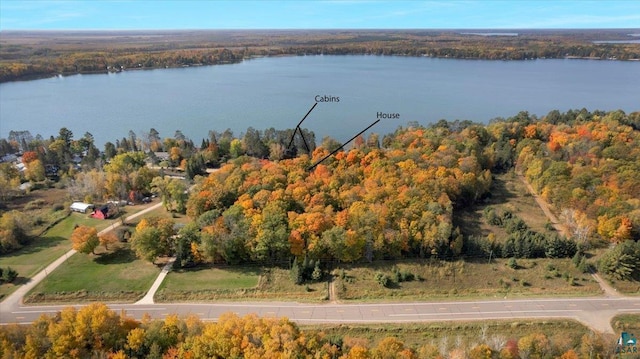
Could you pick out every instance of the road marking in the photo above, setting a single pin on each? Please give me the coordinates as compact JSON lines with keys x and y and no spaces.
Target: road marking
{"x":19,"y":317}
{"x":340,"y":310}
{"x":442,"y":308}
{"x":504,"y":312}
{"x":408,"y":309}
{"x":139,"y":309}
{"x":375,"y":310}
{"x":573,"y":305}
{"x":35,"y":312}
{"x":475,"y":307}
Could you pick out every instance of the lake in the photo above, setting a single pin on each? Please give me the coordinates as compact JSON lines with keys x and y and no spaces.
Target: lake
{"x":278,"y":92}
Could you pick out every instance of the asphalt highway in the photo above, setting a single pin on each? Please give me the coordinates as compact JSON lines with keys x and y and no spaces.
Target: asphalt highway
{"x":594,"y":312}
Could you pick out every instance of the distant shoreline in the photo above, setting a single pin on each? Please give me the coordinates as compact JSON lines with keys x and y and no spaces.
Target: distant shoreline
{"x":107,"y":72}
{"x":28,"y":55}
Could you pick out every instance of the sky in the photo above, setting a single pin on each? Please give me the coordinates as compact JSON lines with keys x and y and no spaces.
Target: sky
{"x":316,"y":14}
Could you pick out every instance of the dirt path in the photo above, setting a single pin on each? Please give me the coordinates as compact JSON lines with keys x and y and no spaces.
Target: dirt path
{"x":608,"y":290}
{"x":332,"y":291}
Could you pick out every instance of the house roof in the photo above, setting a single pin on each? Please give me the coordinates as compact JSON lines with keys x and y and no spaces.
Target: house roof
{"x":81,"y":206}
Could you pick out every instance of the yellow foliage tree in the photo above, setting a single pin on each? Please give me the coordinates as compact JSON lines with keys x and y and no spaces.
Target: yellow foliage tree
{"x":85,"y":239}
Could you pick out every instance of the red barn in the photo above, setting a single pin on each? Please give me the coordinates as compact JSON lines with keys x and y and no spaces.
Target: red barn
{"x":102,"y":213}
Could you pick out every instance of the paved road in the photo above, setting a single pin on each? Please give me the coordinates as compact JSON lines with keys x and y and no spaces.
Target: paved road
{"x":594,"y":312}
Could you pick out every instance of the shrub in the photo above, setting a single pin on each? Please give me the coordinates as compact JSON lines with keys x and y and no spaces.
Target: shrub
{"x":317,"y":272}
{"x":9,"y":275}
{"x":383,"y":279}
{"x":584,"y":266}
{"x":512,"y":263}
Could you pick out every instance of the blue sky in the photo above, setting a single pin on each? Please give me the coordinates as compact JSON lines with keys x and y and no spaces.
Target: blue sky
{"x":320,"y":14}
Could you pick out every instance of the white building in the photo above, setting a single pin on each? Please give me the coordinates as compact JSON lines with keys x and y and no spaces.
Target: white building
{"x":81,"y":207}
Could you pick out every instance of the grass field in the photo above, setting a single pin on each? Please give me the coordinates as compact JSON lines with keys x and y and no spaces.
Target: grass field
{"x":627,"y":323}
{"x":117,"y":276}
{"x":45,"y":249}
{"x":507,"y":192}
{"x":36,"y":256}
{"x":237,"y":283}
{"x":448,"y":335}
{"x":534,"y":277}
{"x":629,"y":287}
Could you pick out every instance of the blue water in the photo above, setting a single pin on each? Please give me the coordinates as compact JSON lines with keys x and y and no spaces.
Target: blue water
{"x":278,"y":92}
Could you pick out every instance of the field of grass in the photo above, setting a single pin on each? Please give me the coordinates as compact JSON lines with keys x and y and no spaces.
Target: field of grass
{"x":533,"y":277}
{"x":626,"y":323}
{"x":449,"y":335}
{"x":237,"y":283}
{"x":507,"y":193}
{"x":629,"y":287}
{"x":31,"y":259}
{"x":116,"y":276}
{"x":48,"y":247}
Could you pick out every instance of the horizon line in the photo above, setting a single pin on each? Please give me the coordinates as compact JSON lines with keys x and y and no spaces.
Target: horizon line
{"x":327,"y":29}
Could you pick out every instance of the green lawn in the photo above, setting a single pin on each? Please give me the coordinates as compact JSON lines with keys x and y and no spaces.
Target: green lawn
{"x":237,"y":283}
{"x":212,"y":278}
{"x":36,"y":256}
{"x":117,"y":276}
{"x":475,"y":279}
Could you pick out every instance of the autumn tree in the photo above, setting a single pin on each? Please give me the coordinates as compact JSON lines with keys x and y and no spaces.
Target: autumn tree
{"x":85,"y":239}
{"x":107,"y":239}
{"x":153,"y":237}
{"x":13,"y":231}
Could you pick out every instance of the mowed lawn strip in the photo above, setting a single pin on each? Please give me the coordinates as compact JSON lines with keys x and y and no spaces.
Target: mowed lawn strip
{"x":116,"y":276}
{"x":237,"y":283}
{"x":212,"y":278}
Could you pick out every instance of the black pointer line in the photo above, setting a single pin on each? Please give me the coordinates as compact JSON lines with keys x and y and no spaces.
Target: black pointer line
{"x":339,"y":148}
{"x":298,"y":128}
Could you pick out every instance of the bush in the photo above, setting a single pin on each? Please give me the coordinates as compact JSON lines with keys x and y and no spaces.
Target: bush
{"x":35,"y":204}
{"x":123,"y":234}
{"x":9,"y":275}
{"x":383,"y":279}
{"x":549,"y":226}
{"x":512,"y":263}
{"x":316,"y":275}
{"x":584,"y":266}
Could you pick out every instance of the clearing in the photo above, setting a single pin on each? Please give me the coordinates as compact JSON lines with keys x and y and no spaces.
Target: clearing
{"x":114,"y":276}
{"x":237,"y":283}
{"x":464,"y":279}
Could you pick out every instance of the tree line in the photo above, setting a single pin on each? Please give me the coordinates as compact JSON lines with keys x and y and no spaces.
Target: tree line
{"x":95,"y":331}
{"x":46,"y":55}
